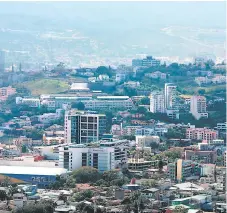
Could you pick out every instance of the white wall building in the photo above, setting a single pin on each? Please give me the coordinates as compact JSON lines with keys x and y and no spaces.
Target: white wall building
{"x":82,"y":127}
{"x":198,"y":107}
{"x":32,"y":102}
{"x":170,"y":96}
{"x":109,"y":102}
{"x":157,"y":103}
{"x":75,"y":156}
{"x":146,"y":141}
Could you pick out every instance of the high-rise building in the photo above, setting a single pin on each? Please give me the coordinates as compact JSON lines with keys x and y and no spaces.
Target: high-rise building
{"x":157,"y":102}
{"x":82,"y":127}
{"x":2,"y":61}
{"x":75,"y":156}
{"x":170,"y":96}
{"x":198,"y":107}
{"x":171,"y":106}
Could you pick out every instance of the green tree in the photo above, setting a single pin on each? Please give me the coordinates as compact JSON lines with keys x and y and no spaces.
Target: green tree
{"x":103,"y":70}
{"x":109,"y":176}
{"x":175,"y":133}
{"x":80,"y":196}
{"x":40,"y":207}
{"x":3,"y":195}
{"x":141,"y":110}
{"x":145,"y":101}
{"x":80,"y":105}
{"x":201,"y":91}
{"x":130,"y":91}
{"x":24,"y":149}
{"x":160,"y":165}
{"x":86,"y":175}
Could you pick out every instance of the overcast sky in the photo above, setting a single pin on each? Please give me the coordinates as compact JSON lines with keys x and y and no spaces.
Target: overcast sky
{"x":202,"y":14}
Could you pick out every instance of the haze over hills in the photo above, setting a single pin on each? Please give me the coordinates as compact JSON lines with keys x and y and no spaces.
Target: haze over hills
{"x":93,"y":33}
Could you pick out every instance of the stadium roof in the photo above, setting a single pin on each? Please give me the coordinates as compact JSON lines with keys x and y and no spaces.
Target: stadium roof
{"x":25,"y":170}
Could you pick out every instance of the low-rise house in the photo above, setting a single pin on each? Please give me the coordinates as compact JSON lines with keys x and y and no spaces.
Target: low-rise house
{"x":219,"y":79}
{"x":132,"y":84}
{"x":151,"y":193}
{"x":5,"y":92}
{"x":156,"y":75}
{"x":209,"y":156}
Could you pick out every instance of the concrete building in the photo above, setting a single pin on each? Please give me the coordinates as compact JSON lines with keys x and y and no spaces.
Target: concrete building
{"x":173,"y":113}
{"x":202,"y":80}
{"x":82,"y":127}
{"x":75,"y":156}
{"x":121,"y":148}
{"x":145,"y":141}
{"x":170,"y":96}
{"x":22,"y":140}
{"x":157,"y":103}
{"x":183,"y":170}
{"x":208,"y":156}
{"x":219,"y":79}
{"x":53,"y":140}
{"x":222,"y":127}
{"x":198,"y":107}
{"x":62,"y":100}
{"x":32,"y":102}
{"x":139,"y":164}
{"x":149,"y":61}
{"x":145,"y":131}
{"x":201,"y":134}
{"x":156,"y":75}
{"x":79,"y":87}
{"x":5,"y":92}
{"x":109,"y":102}
{"x":120,"y":77}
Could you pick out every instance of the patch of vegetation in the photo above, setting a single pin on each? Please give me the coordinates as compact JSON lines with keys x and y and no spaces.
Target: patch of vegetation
{"x":43,"y":86}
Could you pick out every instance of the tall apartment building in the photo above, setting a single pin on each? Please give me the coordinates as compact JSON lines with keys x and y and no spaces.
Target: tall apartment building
{"x":149,"y":61}
{"x":198,"y":107}
{"x":182,"y":170}
{"x":82,"y":127}
{"x":75,"y":156}
{"x":201,"y":134}
{"x":170,"y":96}
{"x":157,"y":102}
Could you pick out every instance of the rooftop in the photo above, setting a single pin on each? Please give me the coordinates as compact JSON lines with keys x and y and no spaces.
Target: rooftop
{"x":31,"y":170}
{"x":112,"y":97}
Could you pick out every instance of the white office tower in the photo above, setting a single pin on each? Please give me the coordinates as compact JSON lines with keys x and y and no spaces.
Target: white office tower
{"x":75,"y":156}
{"x":170,"y":101}
{"x":83,"y":127}
{"x":198,"y":107}
{"x":170,"y":96}
{"x":157,"y":102}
